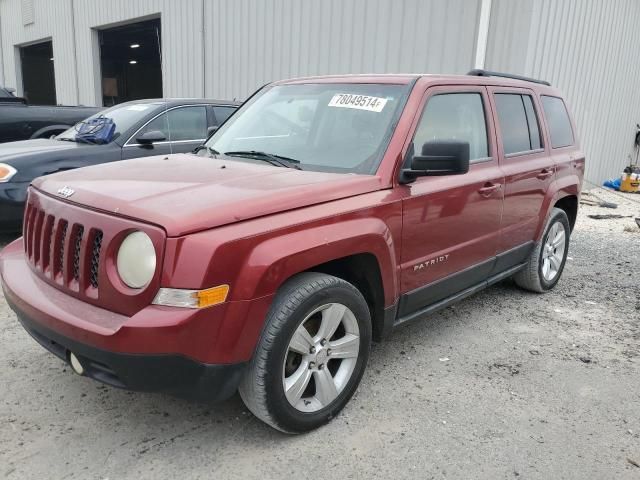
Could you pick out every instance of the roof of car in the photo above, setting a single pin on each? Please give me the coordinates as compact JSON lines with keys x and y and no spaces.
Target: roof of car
{"x":407,"y":78}
{"x":171,"y":102}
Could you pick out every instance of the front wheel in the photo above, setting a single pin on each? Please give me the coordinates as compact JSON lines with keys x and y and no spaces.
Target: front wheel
{"x":547,"y":259}
{"x":311,"y":355}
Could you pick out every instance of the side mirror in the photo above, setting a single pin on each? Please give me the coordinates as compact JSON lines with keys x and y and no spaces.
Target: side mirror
{"x":151,"y":137}
{"x":211,"y":131}
{"x":439,"y":157}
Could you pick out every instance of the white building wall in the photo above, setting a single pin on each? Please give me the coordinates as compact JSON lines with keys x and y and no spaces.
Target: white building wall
{"x":591,"y":51}
{"x":249,"y":43}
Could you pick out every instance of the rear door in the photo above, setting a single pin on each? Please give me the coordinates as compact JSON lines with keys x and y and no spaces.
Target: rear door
{"x":451,"y":223}
{"x":528,"y":170}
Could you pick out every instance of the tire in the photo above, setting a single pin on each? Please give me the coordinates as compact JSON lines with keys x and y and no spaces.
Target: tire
{"x":538,"y":276}
{"x":306,"y":300}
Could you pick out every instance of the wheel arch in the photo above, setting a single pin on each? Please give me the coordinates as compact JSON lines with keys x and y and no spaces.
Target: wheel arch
{"x":360,"y":251}
{"x":362,"y":270}
{"x":564,"y":194}
{"x":569,"y":204}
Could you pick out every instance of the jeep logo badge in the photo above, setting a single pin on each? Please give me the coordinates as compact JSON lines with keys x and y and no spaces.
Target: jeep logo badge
{"x":66,"y":192}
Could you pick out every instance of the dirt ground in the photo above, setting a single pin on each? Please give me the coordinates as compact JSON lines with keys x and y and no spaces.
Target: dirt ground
{"x":506,"y":384}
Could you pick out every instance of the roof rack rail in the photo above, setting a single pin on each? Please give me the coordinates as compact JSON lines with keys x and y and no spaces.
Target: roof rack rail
{"x":488,"y":73}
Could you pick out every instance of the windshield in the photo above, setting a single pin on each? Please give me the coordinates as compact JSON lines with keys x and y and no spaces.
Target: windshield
{"x":341,"y":128}
{"x":123,"y":116}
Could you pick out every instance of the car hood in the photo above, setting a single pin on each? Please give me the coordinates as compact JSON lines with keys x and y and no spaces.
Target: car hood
{"x":188,"y":193}
{"x":14,"y":150}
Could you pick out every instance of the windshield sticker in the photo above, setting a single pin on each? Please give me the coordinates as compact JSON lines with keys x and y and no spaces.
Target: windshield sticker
{"x":360,"y":102}
{"x":138,"y":108}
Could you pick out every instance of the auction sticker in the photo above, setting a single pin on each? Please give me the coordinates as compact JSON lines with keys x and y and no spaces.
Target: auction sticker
{"x":361,"y":102}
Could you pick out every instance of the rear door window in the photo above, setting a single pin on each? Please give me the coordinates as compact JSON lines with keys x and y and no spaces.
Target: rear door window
{"x":558,"y":121}
{"x":454,"y":116}
{"x":222,"y":113}
{"x":514,"y":125}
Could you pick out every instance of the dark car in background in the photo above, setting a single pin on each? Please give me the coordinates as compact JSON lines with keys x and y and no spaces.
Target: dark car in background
{"x":22,"y":121}
{"x":142,"y":128}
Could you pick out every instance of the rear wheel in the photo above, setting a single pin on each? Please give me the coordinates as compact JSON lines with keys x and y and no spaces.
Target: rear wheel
{"x":311,"y":355}
{"x":547,"y":260}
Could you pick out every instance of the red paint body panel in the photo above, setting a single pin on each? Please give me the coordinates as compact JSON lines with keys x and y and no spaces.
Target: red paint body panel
{"x":253,"y":226}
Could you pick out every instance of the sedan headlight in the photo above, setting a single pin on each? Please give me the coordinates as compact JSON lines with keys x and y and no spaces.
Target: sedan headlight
{"x":6,"y":172}
{"x":136,"y":260}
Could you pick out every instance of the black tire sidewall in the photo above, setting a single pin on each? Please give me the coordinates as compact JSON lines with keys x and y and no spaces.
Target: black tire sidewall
{"x":277,"y":404}
{"x":561,"y":217}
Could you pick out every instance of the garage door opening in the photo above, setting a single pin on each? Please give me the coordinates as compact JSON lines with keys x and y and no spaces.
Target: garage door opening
{"x":130,"y":60}
{"x":38,"y":78}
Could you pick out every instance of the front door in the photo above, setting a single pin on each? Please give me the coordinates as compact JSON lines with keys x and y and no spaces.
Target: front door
{"x":451,"y":223}
{"x":184,"y":128}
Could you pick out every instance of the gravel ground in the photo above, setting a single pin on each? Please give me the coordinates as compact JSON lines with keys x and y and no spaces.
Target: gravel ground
{"x":506,"y":384}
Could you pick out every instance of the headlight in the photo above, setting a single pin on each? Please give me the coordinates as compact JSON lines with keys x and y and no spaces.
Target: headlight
{"x":6,"y":172}
{"x":136,"y":260}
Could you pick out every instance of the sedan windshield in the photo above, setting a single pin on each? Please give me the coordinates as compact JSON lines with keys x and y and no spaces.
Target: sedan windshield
{"x":124,"y":117}
{"x":342,"y":128}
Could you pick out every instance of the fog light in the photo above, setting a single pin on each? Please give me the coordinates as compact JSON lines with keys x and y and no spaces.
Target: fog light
{"x":75,"y":364}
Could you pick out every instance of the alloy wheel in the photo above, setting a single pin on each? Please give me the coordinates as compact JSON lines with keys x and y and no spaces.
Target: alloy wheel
{"x":321,"y":357}
{"x":553,"y":251}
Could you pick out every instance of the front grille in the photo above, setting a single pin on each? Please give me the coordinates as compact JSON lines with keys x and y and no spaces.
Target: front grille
{"x":68,"y":253}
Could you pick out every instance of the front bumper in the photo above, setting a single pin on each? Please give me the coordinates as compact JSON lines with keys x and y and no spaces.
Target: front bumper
{"x":172,"y":374}
{"x":12,"y":200}
{"x":191,"y":353}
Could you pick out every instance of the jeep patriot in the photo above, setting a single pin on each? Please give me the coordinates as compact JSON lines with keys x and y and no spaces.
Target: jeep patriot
{"x":323,"y":214}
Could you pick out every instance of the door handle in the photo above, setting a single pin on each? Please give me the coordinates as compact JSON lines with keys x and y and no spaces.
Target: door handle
{"x":545,"y":173}
{"x":488,"y":189}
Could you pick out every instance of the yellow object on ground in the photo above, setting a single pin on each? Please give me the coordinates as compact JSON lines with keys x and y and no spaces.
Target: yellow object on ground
{"x":627,"y":184}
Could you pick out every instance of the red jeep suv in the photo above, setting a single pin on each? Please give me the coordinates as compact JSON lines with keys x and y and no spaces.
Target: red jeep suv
{"x":323,"y":214}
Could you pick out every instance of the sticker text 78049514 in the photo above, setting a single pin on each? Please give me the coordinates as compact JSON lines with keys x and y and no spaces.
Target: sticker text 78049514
{"x":361,"y":102}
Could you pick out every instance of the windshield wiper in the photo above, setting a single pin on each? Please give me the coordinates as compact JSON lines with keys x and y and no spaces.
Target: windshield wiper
{"x":66,"y":139}
{"x":278,"y":160}
{"x":211,"y":150}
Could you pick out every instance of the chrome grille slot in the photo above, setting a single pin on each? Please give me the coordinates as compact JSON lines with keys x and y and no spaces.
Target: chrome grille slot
{"x":59,"y":257}
{"x":47,"y":239}
{"x":95,"y":258}
{"x":37,"y":236}
{"x":77,"y":244}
